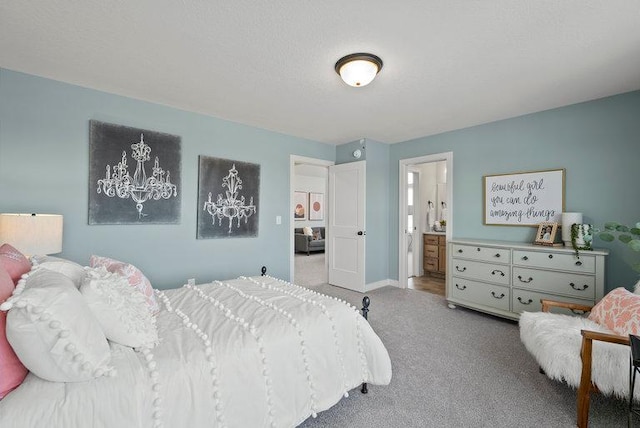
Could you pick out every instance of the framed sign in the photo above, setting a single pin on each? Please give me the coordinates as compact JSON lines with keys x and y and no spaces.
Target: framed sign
{"x":524,"y":199}
{"x":299,"y":205}
{"x":316,"y":206}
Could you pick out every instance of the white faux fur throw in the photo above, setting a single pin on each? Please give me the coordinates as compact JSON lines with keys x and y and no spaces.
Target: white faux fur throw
{"x":555,"y":342}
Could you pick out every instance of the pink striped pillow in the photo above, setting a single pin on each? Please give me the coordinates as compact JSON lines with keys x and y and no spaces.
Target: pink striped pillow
{"x":12,"y":372}
{"x":135,"y":277}
{"x":619,"y":311}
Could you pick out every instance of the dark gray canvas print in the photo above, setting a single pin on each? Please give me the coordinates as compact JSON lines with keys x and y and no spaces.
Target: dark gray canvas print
{"x":228,"y":198}
{"x":134,"y":175}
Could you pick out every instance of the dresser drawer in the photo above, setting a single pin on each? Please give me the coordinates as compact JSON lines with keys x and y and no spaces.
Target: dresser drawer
{"x":551,"y":260}
{"x":494,"y":296}
{"x":431,"y":251}
{"x":431,"y":265}
{"x":486,"y":254}
{"x":524,"y":300}
{"x":442,"y":240}
{"x":431,"y":239}
{"x":567,"y":284}
{"x":495,"y":273}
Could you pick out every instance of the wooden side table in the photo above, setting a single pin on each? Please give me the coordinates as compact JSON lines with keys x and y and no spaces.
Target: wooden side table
{"x":634,"y":368}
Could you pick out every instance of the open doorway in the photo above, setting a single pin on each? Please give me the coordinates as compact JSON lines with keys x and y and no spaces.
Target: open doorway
{"x":425,"y":224}
{"x":308,"y":220}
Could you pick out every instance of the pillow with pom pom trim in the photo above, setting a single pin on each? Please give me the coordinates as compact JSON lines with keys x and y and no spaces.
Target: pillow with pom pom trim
{"x":71,"y":270}
{"x":120,"y":309}
{"x":53,"y":331}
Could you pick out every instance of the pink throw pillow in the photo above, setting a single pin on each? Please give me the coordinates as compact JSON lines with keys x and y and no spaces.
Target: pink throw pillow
{"x":12,"y":372}
{"x":135,"y":277}
{"x":14,"y":262}
{"x":619,"y":311}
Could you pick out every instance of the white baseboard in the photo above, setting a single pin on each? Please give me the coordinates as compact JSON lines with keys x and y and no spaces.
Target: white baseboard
{"x":380,"y":284}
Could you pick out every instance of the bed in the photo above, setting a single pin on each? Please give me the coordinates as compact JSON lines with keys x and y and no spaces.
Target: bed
{"x":248,"y":352}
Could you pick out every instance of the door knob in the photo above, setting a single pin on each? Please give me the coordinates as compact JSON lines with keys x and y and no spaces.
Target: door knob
{"x":360,"y":233}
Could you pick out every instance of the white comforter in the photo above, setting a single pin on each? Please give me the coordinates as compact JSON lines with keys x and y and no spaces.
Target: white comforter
{"x":250,"y":352}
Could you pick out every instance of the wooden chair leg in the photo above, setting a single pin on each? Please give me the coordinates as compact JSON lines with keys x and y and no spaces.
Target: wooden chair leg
{"x":585,"y":384}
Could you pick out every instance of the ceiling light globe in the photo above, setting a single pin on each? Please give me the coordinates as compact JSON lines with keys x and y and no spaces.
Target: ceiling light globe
{"x":358,"y":70}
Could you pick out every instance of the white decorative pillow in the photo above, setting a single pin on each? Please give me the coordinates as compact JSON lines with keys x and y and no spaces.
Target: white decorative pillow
{"x":121,"y":310}
{"x":71,"y":270}
{"x":307,"y":231}
{"x":134,"y":275}
{"x":53,"y":331}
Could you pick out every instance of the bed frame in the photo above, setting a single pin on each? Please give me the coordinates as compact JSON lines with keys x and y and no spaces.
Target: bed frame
{"x":365,"y":313}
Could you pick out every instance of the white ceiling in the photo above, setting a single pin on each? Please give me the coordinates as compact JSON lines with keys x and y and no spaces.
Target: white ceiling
{"x":448,"y":64}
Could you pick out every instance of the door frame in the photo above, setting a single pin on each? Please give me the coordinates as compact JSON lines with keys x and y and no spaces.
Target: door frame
{"x":293,"y":161}
{"x":405,"y":165}
{"x":417,"y":214}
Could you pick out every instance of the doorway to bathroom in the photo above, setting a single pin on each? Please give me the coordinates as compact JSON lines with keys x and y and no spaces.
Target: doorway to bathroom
{"x":425,"y":221}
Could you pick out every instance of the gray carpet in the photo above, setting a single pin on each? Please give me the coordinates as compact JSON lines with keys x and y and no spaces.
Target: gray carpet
{"x":310,"y":270}
{"x":456,"y":368}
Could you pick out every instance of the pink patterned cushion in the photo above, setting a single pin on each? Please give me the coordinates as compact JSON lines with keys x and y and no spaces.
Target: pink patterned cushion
{"x":135,"y":277}
{"x":14,"y":262}
{"x":12,"y":372}
{"x":619,"y":311}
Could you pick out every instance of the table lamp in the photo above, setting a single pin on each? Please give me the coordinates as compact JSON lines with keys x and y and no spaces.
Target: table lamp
{"x":32,"y":234}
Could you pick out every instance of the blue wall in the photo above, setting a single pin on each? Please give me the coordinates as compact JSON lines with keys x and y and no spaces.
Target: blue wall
{"x":597,"y":142}
{"x":44,"y":167}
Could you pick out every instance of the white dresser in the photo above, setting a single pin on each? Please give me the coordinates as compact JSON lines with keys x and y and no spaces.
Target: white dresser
{"x":507,"y":278}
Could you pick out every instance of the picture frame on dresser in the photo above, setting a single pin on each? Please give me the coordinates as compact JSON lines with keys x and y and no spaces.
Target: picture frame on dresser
{"x":546,"y":234}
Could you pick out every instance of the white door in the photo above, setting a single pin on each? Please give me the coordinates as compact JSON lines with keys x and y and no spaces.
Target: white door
{"x":346,"y":231}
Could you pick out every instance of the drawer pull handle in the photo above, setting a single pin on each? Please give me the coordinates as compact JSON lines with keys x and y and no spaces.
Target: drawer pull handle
{"x":578,"y":312}
{"x":525,"y":280}
{"x":497,"y":255}
{"x":578,"y":263}
{"x":459,"y":251}
{"x":550,"y":256}
{"x":493,"y":272}
{"x":525,"y":258}
{"x":528,"y":302}
{"x":493,"y":293}
{"x":461,"y":270}
{"x":461,"y":288}
{"x":576,"y":288}
{"x":477,"y":249}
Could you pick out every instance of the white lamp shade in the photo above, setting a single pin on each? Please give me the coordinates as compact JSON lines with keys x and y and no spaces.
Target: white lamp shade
{"x":358,"y":73}
{"x":32,"y":234}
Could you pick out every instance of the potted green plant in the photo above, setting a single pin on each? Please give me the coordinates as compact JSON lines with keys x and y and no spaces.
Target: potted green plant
{"x":581,"y":237}
{"x":630,"y":236}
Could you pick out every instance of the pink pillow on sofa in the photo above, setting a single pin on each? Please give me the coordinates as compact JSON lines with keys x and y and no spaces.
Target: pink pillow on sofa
{"x":619,"y":311}
{"x":135,"y":277}
{"x":12,"y":372}
{"x":14,"y":262}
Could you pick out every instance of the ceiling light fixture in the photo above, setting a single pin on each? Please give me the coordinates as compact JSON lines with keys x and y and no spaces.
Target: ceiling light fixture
{"x":358,"y":69}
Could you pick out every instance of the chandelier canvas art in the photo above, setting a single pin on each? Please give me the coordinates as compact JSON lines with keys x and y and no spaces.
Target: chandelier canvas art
{"x":134,"y":175}
{"x":228,"y":198}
